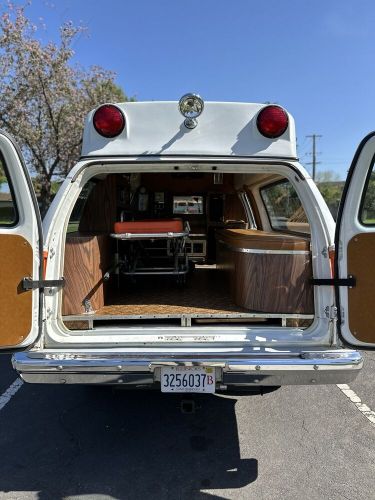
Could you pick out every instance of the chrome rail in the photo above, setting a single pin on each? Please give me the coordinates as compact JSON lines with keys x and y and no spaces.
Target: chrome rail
{"x":307,"y":367}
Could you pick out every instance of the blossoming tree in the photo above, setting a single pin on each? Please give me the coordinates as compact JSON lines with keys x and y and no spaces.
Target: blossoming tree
{"x":44,"y":97}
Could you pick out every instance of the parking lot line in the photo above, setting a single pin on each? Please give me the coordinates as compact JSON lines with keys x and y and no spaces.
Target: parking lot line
{"x":10,"y":392}
{"x":354,"y":398}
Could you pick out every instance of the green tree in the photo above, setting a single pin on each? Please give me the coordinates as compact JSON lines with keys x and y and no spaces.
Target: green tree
{"x":331,"y":189}
{"x":368,"y":213}
{"x":44,"y":98}
{"x":2,"y":175}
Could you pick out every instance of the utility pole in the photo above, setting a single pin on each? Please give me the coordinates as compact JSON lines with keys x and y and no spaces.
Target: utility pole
{"x":314,"y":163}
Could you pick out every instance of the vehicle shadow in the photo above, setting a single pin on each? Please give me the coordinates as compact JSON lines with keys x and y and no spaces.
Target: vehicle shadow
{"x":101,"y":443}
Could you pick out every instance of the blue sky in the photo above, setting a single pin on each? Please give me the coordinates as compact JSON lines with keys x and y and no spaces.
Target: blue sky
{"x":313,"y":58}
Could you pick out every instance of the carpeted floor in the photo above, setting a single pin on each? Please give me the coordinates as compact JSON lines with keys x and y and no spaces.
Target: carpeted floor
{"x":204,"y":293}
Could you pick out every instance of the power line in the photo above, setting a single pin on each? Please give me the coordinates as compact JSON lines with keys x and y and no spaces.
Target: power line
{"x":301,"y":148}
{"x":314,"y":163}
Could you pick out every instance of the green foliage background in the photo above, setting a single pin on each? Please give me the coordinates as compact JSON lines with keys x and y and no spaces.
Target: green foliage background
{"x":368,"y":213}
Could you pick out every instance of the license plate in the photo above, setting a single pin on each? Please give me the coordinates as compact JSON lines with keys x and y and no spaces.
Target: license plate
{"x":187,"y":379}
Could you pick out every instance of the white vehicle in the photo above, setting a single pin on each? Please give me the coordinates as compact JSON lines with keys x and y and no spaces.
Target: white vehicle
{"x":256,"y":288}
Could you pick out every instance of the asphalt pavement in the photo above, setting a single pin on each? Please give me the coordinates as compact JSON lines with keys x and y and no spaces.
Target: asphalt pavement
{"x":76,"y":442}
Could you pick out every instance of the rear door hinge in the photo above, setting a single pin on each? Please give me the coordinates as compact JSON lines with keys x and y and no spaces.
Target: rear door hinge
{"x":331,"y":312}
{"x":350,"y":281}
{"x":30,"y":284}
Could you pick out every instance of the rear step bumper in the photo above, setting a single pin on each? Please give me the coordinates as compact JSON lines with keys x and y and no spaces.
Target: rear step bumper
{"x":232,"y":370}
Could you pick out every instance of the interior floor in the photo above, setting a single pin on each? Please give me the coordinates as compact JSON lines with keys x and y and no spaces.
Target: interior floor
{"x":203,"y":299}
{"x":203,"y":293}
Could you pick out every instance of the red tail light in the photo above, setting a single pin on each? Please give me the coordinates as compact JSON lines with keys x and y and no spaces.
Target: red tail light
{"x":272,"y":121}
{"x":109,"y":120}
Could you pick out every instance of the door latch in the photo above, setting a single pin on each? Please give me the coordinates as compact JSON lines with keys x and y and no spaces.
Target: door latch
{"x":350,"y":281}
{"x":30,"y":284}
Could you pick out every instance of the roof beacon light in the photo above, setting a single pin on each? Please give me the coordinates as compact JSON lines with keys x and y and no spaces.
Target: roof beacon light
{"x":272,"y":121}
{"x":191,"y":106}
{"x":109,"y":120}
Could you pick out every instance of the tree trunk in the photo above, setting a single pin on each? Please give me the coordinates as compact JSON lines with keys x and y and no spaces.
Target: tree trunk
{"x":45,"y":196}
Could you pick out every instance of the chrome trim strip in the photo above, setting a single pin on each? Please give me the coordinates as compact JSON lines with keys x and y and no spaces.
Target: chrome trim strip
{"x":228,"y":382}
{"x":259,"y":251}
{"x":221,"y":316}
{"x":308,"y":367}
{"x":147,"y":236}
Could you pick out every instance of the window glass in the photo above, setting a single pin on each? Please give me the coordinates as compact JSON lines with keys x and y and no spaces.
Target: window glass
{"x":79,"y":206}
{"x":284,"y":208}
{"x":8,"y":213}
{"x":368,"y":205}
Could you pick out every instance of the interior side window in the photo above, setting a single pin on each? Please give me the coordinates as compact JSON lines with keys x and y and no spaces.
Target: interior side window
{"x":77,"y":212}
{"x":367,"y":215}
{"x":284,"y":208}
{"x":8,"y":212}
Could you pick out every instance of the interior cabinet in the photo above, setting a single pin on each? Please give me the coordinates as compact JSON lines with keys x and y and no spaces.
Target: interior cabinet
{"x":87,"y":258}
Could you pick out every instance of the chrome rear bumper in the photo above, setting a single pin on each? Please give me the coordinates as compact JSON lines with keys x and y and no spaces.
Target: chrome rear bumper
{"x":232,"y":370}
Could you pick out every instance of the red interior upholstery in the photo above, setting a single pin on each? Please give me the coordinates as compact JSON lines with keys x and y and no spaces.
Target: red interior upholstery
{"x":150,"y":226}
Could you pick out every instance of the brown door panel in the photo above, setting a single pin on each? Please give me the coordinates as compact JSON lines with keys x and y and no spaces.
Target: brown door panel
{"x":361,"y":298}
{"x":16,"y":262}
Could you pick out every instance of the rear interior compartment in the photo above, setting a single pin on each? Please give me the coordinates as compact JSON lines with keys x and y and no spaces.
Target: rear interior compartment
{"x":181,"y":249}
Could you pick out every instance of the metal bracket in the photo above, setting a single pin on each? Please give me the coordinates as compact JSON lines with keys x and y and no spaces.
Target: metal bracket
{"x":350,"y":281}
{"x":30,"y":284}
{"x":88,"y":307}
{"x":331,"y":312}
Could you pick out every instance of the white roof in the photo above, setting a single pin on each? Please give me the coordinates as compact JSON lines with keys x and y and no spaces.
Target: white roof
{"x":157,"y":128}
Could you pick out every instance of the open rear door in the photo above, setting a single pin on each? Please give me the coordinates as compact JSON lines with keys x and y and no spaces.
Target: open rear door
{"x":21,"y":248}
{"x":355,"y":249}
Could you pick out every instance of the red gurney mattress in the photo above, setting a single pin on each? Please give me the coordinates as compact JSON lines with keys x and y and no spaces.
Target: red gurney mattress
{"x":150,"y":226}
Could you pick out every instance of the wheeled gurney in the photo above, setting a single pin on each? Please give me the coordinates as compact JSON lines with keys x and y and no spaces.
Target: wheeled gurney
{"x":138,"y":257}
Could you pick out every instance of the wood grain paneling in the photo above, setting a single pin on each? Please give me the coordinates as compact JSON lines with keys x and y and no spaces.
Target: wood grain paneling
{"x":361,"y":265}
{"x":273,"y":283}
{"x":99,"y":213}
{"x":87,"y":258}
{"x":262,"y":240}
{"x":270,"y":283}
{"x":16,"y":263}
{"x":233,"y":208}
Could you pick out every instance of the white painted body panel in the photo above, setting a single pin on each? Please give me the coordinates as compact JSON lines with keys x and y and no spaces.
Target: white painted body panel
{"x":27,"y":225}
{"x":157,"y":128}
{"x":322,"y":235}
{"x":350,"y":227}
{"x":155,"y":139}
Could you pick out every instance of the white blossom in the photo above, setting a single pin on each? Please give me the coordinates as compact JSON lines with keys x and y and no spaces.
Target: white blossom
{"x":44,"y":98}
